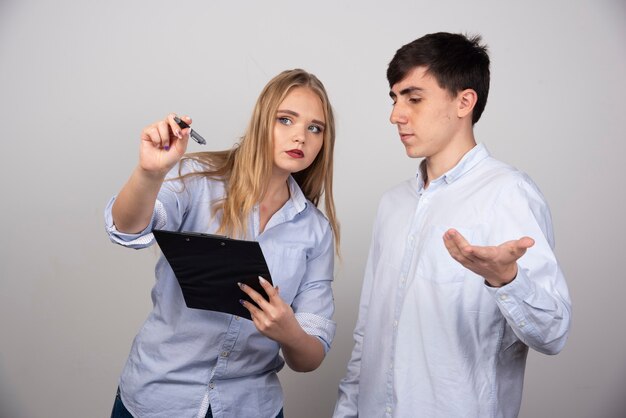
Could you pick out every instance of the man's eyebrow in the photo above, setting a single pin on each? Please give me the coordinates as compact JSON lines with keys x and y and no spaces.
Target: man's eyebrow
{"x":296,"y":114}
{"x":406,"y":91}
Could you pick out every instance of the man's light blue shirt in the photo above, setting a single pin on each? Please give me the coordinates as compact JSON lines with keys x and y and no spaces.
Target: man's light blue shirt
{"x":184,"y":359}
{"x":432,"y":339}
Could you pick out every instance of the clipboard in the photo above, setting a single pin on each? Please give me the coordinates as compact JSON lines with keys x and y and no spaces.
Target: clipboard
{"x":208,"y":268}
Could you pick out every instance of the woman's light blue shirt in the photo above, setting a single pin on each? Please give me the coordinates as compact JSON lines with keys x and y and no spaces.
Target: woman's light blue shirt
{"x":184,"y":359}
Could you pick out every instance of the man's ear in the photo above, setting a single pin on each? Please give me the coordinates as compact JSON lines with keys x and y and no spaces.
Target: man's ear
{"x":467,"y":100}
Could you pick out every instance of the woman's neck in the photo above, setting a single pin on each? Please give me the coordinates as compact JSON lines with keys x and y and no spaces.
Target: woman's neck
{"x":276,"y":195}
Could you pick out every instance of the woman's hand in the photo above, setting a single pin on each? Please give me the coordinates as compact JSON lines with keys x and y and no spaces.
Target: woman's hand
{"x":276,"y":320}
{"x":163,"y":144}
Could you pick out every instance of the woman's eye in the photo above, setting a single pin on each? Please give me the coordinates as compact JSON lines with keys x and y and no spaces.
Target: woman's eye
{"x":284,"y":120}
{"x":315,"y":129}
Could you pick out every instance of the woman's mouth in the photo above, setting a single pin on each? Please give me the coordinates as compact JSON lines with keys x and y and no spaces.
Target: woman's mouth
{"x":295,"y":153}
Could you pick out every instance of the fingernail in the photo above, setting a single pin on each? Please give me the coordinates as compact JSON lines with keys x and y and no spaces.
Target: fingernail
{"x":262,"y":280}
{"x":178,"y":135}
{"x":241,"y":285}
{"x":167,"y":148}
{"x":241,"y":301}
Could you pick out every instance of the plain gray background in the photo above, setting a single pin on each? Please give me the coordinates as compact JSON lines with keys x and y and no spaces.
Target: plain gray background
{"x":80,"y":79}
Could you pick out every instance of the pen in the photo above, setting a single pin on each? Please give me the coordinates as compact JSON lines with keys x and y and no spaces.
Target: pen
{"x":196,"y":136}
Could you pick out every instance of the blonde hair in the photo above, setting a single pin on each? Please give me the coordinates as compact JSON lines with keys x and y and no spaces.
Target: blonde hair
{"x":247,"y":167}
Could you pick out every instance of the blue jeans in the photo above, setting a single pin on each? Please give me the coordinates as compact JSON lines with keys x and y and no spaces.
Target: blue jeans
{"x":120,"y":411}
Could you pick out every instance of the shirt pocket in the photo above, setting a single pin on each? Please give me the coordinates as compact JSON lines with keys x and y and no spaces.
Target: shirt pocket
{"x":287,"y":269}
{"x":435,"y":263}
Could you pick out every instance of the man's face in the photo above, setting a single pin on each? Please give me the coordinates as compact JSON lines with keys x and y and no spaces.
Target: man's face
{"x":426,"y":115}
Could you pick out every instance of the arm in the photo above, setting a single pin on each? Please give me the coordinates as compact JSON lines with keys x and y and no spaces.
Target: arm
{"x":276,"y":320}
{"x":347,"y":401}
{"x":305,"y":329}
{"x":523,"y":275}
{"x":163,"y":143}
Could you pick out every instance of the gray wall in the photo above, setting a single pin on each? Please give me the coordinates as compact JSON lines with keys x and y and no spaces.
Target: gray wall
{"x":79,"y":79}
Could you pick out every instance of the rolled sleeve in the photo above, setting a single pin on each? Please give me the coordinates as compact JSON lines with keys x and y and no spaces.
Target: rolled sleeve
{"x":314,"y":305}
{"x":318,"y":326}
{"x":139,"y":240}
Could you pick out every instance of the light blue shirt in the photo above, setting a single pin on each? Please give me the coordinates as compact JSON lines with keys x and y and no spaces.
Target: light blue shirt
{"x":432,"y":340}
{"x":184,"y":359}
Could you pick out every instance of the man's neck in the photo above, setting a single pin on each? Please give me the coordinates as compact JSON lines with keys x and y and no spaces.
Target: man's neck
{"x":435,"y":166}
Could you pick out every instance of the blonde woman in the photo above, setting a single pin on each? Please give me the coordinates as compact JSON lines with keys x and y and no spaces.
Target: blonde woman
{"x":195,"y":363}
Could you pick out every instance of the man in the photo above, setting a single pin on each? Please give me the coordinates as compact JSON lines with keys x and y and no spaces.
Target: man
{"x":455,"y":290}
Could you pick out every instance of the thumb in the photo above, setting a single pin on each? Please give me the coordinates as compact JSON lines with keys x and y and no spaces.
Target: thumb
{"x":525,"y":242}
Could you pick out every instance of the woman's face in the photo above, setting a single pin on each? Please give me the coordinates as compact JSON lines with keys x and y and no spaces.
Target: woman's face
{"x":298,"y":131}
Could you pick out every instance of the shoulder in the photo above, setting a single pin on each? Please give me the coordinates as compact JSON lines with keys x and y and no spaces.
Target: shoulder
{"x":499,"y":177}
{"x":315,"y":218}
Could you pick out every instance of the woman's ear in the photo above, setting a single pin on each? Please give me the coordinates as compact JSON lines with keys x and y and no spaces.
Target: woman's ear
{"x":467,"y":101}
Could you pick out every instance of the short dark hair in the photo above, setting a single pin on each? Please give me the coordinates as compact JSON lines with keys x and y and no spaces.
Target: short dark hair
{"x":456,"y":61}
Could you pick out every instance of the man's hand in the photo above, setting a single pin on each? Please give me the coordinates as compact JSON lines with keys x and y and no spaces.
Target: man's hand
{"x":496,"y":264}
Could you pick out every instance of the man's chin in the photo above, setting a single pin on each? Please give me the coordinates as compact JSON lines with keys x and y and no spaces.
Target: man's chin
{"x":413,"y":153}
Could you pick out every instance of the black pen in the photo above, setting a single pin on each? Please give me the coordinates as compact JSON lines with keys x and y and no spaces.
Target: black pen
{"x":196,"y":136}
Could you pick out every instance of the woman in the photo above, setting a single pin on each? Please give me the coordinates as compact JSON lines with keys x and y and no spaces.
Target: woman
{"x":195,"y":363}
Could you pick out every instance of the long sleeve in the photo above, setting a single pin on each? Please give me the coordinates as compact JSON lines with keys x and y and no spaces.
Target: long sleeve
{"x":347,"y":402}
{"x":536,"y":304}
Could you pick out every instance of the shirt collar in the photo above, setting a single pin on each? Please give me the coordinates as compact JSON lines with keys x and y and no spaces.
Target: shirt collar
{"x":469,"y":161}
{"x":296,"y":196}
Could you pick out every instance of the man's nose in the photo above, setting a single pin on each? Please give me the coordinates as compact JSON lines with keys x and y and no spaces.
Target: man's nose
{"x":398,"y":115}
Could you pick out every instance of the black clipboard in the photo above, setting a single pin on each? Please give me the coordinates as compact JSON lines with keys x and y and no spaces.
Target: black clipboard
{"x":208,"y":268}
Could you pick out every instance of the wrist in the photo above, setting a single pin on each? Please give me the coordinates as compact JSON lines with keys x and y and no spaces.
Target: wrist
{"x":146,"y":176}
{"x":502,"y":279}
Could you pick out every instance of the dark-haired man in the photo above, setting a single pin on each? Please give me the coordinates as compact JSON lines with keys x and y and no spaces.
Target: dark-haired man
{"x":455,"y":288}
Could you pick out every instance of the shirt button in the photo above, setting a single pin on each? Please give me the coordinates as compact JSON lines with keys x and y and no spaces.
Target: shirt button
{"x":224,"y":354}
{"x":236,"y":318}
{"x":522,"y":324}
{"x":403,"y":279}
{"x":211,"y":385}
{"x":503,"y":296}
{"x":395,"y":324}
{"x":388,"y":410}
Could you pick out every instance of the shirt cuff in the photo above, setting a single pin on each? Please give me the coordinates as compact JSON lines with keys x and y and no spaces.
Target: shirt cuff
{"x":317,"y":326}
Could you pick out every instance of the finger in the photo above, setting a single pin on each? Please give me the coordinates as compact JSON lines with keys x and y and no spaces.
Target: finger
{"x":176,"y":130}
{"x":458,"y":247}
{"x":271,"y":291}
{"x":451,"y":246}
{"x":254,"y":311}
{"x":151,"y":134}
{"x":254,"y":295}
{"x":164,"y":132}
{"x":526,"y":242}
{"x":487,"y":253}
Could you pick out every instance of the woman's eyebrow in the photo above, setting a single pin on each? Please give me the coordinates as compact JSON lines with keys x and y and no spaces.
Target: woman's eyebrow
{"x":296,"y":114}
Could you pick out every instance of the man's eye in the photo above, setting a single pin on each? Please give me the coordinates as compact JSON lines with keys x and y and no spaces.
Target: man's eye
{"x":284,"y":120}
{"x":414,"y":99}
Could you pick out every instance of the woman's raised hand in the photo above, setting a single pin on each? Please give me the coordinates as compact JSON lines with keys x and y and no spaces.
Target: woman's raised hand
{"x":163,"y":144}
